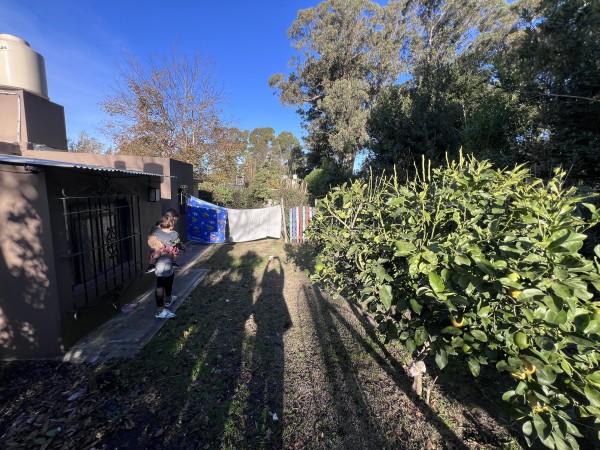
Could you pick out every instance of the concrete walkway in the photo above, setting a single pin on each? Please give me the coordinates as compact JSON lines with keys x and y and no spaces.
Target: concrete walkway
{"x":125,"y":334}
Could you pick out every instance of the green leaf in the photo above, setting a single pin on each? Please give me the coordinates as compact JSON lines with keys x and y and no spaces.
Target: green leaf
{"x":508,"y":395}
{"x":452,"y":330}
{"x":594,"y":378}
{"x":485,"y":266}
{"x":404,"y":248}
{"x":581,"y":321}
{"x":561,"y":290}
{"x":385,"y":295}
{"x":593,"y":327}
{"x":528,"y":428}
{"x":542,"y":427}
{"x":528,"y":294}
{"x":484,"y":312}
{"x":559,"y":443}
{"x":479,"y":335}
{"x":436,"y":282}
{"x":474,"y":366}
{"x":415,"y":306}
{"x":503,"y":366}
{"x":545,"y":375}
{"x":381,"y":274}
{"x":572,"y":429}
{"x":441,"y":358}
{"x":521,"y":388}
{"x":462,"y":260}
{"x":421,"y":336}
{"x":592,"y":395}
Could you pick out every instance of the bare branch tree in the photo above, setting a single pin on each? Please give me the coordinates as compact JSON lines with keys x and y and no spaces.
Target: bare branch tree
{"x":169,"y":107}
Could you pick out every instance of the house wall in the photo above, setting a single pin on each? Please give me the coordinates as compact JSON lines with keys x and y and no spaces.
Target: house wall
{"x":9,"y":107}
{"x":36,"y":279}
{"x":42,"y":121}
{"x":165,"y":166}
{"x":29,"y":306}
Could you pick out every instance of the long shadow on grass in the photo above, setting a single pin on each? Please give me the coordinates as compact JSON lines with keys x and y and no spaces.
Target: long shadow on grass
{"x":450,"y":382}
{"x":265,"y":400}
{"x":186,"y":382}
{"x":351,"y":405}
{"x":303,"y":256}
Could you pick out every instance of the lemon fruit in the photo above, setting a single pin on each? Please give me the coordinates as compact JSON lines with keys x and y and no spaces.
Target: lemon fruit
{"x":467,"y":349}
{"x":514,"y":293}
{"x":513,"y":276}
{"x":521,"y":340}
{"x":457,"y":323}
{"x":529,"y":368}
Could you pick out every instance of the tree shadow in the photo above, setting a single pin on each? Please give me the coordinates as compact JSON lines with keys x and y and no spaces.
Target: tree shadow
{"x":29,"y":324}
{"x":326,"y":316}
{"x":350,"y":401}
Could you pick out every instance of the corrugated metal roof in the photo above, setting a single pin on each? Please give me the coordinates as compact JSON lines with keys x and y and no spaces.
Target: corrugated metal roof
{"x":25,"y":161}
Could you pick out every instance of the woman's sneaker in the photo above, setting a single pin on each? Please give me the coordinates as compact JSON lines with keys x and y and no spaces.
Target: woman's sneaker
{"x":164,"y":314}
{"x":170,"y":300}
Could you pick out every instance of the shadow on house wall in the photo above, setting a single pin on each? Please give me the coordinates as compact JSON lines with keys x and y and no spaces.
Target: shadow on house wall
{"x":29,"y":319}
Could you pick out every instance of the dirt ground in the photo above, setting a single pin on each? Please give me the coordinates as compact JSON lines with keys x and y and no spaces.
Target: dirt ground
{"x":256,"y":358}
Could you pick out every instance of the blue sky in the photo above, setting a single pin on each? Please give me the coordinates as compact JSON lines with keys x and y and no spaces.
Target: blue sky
{"x":82,"y":41}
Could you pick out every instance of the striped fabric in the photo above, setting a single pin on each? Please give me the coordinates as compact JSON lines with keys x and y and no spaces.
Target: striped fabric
{"x":298,"y":222}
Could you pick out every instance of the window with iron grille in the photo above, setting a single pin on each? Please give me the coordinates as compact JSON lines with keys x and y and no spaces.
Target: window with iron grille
{"x":105,"y":249}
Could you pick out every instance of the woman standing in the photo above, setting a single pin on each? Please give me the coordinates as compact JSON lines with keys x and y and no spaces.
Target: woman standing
{"x":160,"y":236}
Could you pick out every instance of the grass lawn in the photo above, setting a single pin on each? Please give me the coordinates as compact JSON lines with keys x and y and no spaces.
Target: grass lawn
{"x":256,"y":358}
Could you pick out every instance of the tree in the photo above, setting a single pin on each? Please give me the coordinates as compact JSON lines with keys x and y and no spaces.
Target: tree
{"x":168,"y":107}
{"x":452,"y":43}
{"x":443,"y":30}
{"x":553,"y":66}
{"x":223,"y":156}
{"x":86,"y":144}
{"x":287,"y":148}
{"x":420,"y":118}
{"x":349,"y":50}
{"x":264,"y":150}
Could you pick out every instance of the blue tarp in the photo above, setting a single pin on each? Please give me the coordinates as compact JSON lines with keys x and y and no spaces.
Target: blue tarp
{"x":206,"y":222}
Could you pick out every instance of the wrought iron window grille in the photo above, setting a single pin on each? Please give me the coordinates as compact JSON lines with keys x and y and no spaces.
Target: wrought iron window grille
{"x":104,"y":242}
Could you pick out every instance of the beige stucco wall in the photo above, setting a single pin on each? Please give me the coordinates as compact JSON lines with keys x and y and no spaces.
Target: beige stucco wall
{"x":36,"y":279}
{"x":41,"y":121}
{"x":29,"y":310}
{"x":183,"y":173}
{"x":9,"y":125}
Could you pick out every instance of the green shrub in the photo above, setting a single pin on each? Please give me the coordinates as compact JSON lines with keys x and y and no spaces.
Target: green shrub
{"x":482,"y":264}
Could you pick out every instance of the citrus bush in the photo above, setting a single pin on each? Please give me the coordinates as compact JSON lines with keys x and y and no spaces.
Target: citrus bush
{"x":483,"y":264}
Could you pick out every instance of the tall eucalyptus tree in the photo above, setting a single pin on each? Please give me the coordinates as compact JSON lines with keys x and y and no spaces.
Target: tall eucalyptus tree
{"x":348,"y":50}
